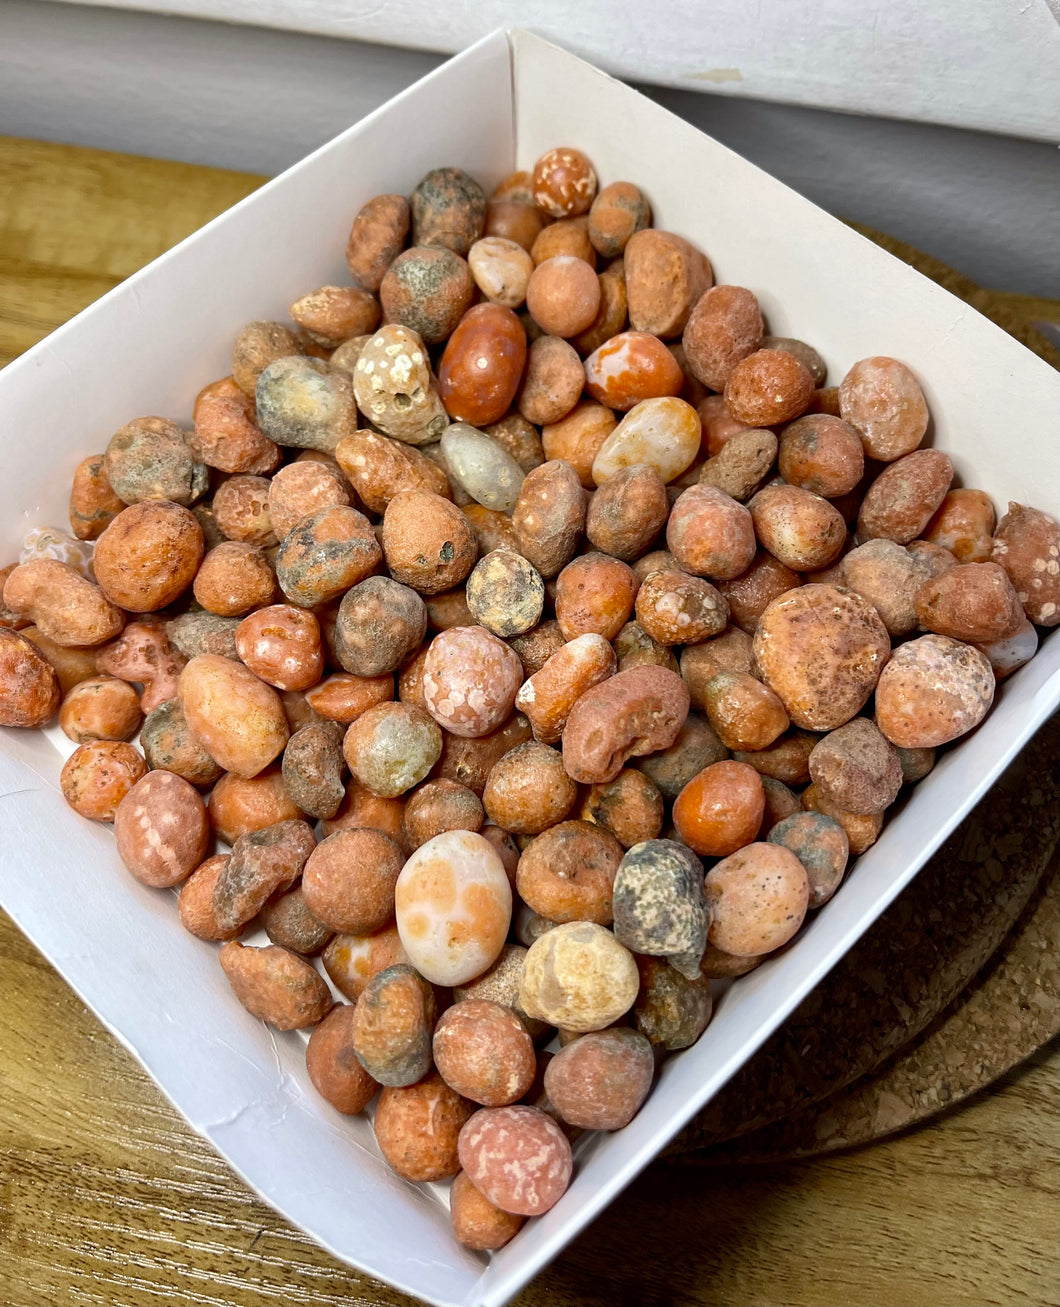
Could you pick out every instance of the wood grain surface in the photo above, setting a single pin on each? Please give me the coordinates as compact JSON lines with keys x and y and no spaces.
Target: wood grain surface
{"x":106,"y":1196}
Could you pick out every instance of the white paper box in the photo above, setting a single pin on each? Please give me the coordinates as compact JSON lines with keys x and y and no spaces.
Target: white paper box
{"x":149,"y":346}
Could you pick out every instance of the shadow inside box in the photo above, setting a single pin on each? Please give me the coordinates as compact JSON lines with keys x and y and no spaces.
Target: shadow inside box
{"x":912,"y":963}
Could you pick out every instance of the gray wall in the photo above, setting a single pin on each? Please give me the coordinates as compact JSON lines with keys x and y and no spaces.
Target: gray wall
{"x":257,"y":99}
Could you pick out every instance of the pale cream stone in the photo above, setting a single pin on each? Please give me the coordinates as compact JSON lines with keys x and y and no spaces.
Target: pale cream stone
{"x":453,"y":903}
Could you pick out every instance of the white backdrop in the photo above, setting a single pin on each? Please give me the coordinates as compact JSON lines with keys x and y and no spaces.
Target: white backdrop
{"x":988,"y":64}
{"x":258,"y":99}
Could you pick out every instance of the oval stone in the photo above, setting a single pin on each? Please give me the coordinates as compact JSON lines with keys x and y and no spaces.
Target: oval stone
{"x":487,"y":472}
{"x":665,"y":433}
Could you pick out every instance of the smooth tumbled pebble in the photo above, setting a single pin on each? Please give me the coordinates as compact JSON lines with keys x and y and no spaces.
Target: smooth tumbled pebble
{"x":487,"y":472}
{"x":454,"y":906}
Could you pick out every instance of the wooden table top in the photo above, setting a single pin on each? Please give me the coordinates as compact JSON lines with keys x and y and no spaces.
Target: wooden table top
{"x":107,"y":1196}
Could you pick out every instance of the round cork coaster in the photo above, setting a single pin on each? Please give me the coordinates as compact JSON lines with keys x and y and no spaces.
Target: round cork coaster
{"x":898,"y":1031}
{"x":1010,"y":1010}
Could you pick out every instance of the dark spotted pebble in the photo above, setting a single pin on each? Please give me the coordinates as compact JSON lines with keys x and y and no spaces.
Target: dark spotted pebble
{"x":169,"y":745}
{"x":193,"y":634}
{"x":448,"y":209}
{"x":505,"y":593}
{"x":427,"y":289}
{"x":304,"y":404}
{"x":821,"y":845}
{"x":314,"y":769}
{"x":324,"y":554}
{"x":149,"y":458}
{"x":381,"y":623}
{"x":262,"y":862}
{"x":393,"y":1026}
{"x":658,"y":903}
{"x":288,"y":922}
{"x":671,"y":1011}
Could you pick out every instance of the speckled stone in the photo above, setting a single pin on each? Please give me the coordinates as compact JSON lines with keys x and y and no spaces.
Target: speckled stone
{"x":500,"y":984}
{"x":659,"y":906}
{"x":203,"y":633}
